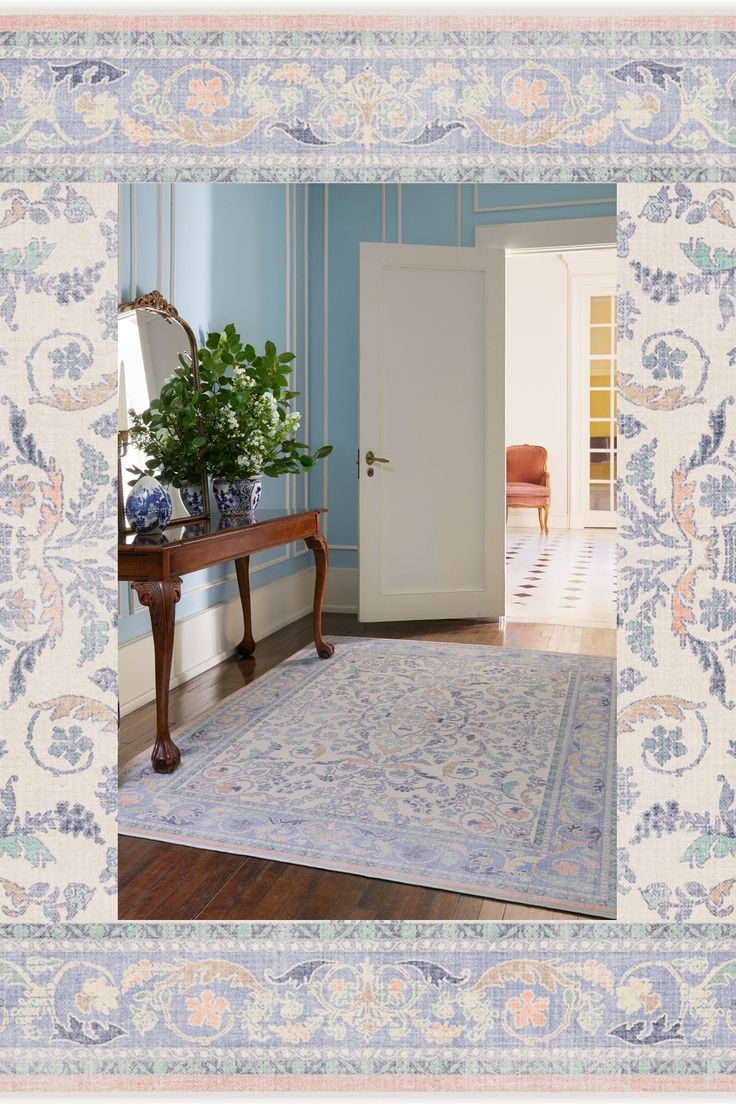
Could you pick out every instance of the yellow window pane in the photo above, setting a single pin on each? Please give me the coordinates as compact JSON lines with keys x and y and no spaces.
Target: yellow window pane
{"x":600,"y":309}
{"x":600,"y":465}
{"x":598,"y":430}
{"x":600,"y":404}
{"x":600,"y":373}
{"x":600,"y":340}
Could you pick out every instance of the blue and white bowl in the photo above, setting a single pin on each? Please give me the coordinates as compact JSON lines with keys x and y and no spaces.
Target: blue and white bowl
{"x":148,"y":508}
{"x":239,"y":498}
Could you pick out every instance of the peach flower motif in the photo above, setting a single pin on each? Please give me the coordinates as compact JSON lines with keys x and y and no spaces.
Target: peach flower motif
{"x":598,"y":973}
{"x":527,"y":96}
{"x":136,"y":974}
{"x":207,"y":1009}
{"x":598,"y":132}
{"x":338,"y":119}
{"x":292,"y":73}
{"x":397,"y":986}
{"x":567,"y":869}
{"x":139,"y":133}
{"x":337,"y":985}
{"x":529,"y":1009}
{"x":398,"y":120}
{"x":441,"y":1033}
{"x":207,"y":96}
{"x":442,"y":72}
{"x":293,"y":1033}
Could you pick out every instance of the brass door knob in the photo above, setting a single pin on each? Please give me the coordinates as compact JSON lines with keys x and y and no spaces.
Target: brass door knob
{"x":371,"y":458}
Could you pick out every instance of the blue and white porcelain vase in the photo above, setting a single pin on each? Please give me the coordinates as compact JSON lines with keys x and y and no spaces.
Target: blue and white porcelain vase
{"x":148,"y":508}
{"x":192,"y":497}
{"x":238,"y":498}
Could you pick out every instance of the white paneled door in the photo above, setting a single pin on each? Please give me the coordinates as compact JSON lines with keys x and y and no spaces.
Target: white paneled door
{"x":432,"y":469}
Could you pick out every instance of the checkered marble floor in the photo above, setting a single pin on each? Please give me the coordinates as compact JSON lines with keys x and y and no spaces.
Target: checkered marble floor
{"x":566,"y":578}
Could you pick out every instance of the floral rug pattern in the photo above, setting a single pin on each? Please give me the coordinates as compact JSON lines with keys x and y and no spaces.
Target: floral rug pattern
{"x":677,"y":561}
{"x":464,"y":767}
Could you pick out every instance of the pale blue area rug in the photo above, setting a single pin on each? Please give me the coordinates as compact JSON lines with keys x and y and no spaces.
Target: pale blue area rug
{"x":464,"y":767}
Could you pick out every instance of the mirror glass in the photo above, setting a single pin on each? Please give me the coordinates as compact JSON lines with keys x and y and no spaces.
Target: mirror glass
{"x":150,"y":341}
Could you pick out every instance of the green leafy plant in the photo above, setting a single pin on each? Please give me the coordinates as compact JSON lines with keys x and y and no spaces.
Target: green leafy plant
{"x":169,"y":433}
{"x":238,"y":423}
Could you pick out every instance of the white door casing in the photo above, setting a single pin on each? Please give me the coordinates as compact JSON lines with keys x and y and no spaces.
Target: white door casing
{"x":431,"y":519}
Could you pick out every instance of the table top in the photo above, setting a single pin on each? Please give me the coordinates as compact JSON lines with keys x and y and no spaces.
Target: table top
{"x":180,"y":535}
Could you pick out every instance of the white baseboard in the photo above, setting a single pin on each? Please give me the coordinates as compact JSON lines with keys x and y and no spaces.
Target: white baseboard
{"x":342,"y":590}
{"x":207,"y":638}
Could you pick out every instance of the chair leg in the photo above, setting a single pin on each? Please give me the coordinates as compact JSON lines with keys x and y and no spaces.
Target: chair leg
{"x":540,"y":515}
{"x":546,"y":521}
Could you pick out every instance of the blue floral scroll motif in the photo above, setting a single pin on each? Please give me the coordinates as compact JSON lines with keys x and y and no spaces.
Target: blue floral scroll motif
{"x":492,"y":1002}
{"x":677,"y":595}
{"x":371,"y":104}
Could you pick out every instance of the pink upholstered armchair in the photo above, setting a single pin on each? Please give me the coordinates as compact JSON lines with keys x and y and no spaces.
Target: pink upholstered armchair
{"x":527,"y":480}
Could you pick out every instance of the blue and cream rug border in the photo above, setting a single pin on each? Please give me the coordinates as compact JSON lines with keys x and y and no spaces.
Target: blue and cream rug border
{"x":556,"y":848}
{"x":338,"y":1005}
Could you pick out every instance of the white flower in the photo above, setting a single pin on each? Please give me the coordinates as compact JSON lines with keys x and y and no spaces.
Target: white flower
{"x":638,"y":111}
{"x":97,"y":995}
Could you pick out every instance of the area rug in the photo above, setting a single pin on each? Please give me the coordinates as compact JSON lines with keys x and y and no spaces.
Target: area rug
{"x":471,"y":768}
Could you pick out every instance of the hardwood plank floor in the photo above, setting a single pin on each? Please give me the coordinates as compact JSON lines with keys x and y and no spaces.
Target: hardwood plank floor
{"x":165,"y":881}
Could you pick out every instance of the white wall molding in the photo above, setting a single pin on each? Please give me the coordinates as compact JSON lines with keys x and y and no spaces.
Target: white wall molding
{"x":205,"y":639}
{"x":477,"y":209}
{"x":554,"y":234}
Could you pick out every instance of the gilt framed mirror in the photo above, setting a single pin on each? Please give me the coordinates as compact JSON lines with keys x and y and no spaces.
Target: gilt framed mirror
{"x":156,"y":348}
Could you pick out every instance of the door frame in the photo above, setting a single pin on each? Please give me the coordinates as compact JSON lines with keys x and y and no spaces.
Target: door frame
{"x":580,"y":244}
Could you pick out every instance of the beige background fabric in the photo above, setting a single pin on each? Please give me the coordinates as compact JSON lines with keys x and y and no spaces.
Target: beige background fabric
{"x":58,"y":597}
{"x":677,"y":565}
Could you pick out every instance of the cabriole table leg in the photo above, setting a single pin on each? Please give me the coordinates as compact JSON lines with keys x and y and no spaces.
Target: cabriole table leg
{"x":318,"y":545}
{"x":161,"y":597}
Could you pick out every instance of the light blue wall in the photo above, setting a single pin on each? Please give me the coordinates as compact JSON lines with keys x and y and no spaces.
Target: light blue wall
{"x":222,"y":253}
{"x":281,"y":261}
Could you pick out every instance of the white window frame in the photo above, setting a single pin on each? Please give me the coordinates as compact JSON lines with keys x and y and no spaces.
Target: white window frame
{"x":590,"y":273}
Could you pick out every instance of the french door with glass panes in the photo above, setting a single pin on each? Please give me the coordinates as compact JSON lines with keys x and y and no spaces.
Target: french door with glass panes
{"x":601,"y":458}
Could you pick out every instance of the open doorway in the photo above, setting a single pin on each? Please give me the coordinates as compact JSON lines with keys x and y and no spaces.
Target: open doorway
{"x":561,"y":423}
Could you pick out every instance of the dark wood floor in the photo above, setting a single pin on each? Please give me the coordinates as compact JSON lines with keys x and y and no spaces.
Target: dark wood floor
{"x":168,"y":881}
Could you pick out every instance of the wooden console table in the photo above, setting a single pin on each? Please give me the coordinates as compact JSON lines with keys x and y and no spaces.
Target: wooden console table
{"x":154,"y":566}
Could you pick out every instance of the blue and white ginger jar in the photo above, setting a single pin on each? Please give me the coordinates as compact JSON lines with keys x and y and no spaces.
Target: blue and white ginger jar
{"x":148,"y":508}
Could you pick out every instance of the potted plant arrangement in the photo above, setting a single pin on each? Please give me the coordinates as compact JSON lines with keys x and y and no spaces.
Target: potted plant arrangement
{"x":238,"y":424}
